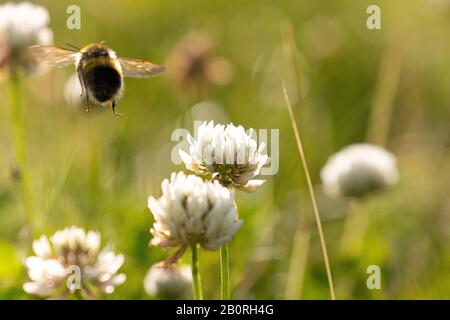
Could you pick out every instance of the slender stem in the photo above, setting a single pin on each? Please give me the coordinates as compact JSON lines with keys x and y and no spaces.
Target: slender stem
{"x":224,"y":272}
{"x":386,"y":88}
{"x":19,"y":145}
{"x":78,"y":295}
{"x":311,"y":193}
{"x":196,"y":283}
{"x":297,"y":265}
{"x":355,"y":227}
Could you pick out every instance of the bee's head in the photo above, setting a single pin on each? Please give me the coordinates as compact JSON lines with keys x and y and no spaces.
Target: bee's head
{"x":97,"y":51}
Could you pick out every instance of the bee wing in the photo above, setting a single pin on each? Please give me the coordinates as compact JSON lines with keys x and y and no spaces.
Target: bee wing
{"x":54,"y":56}
{"x":135,"y":68}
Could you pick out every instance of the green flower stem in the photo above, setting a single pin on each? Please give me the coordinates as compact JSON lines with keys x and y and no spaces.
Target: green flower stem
{"x":197,"y":282}
{"x":224,"y":272}
{"x":19,"y":145}
{"x":78,"y":295}
{"x":355,"y":227}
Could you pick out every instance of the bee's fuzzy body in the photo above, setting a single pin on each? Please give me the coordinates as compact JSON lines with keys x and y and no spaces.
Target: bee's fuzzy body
{"x":99,"y":70}
{"x":100,"y":74}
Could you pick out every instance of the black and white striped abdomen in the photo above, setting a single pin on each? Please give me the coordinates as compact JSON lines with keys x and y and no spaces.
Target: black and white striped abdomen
{"x":103,"y":82}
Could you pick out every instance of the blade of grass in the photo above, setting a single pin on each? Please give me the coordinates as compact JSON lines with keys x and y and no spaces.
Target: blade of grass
{"x":387,"y":83}
{"x":311,"y":193}
{"x":297,"y":265}
{"x":291,"y":54}
{"x":19,"y":145}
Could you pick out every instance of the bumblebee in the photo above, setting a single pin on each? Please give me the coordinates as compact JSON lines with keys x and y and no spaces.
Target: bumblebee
{"x":99,"y":70}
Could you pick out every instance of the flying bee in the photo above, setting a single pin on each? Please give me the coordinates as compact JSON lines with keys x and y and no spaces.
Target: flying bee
{"x":99,"y":70}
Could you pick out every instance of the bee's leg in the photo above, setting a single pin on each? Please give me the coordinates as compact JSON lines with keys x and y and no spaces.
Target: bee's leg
{"x":80,"y":79}
{"x":113,"y":106}
{"x":88,"y":103}
{"x":84,"y":93}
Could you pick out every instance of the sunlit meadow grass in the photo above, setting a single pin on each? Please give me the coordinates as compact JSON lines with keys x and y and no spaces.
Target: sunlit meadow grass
{"x":349,"y":85}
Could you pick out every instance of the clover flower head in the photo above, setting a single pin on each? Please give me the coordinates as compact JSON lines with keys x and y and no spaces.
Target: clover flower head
{"x":229,"y":153}
{"x":359,"y":169}
{"x":192,"y":211}
{"x":194,"y":64}
{"x":22,"y":25}
{"x":72,"y":260}
{"x":168,"y":282}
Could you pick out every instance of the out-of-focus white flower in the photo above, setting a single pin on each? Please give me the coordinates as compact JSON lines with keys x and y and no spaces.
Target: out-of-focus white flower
{"x":72,"y":260}
{"x":169,"y":282}
{"x":21,"y":26}
{"x":72,"y":91}
{"x":359,"y":169}
{"x":229,"y":153}
{"x":192,"y":211}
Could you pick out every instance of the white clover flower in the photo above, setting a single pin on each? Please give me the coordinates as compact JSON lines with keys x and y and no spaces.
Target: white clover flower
{"x":72,"y":260}
{"x":228,"y":152}
{"x":359,"y":169}
{"x":192,"y":211}
{"x":72,"y":91}
{"x":22,"y":25}
{"x":169,"y":282}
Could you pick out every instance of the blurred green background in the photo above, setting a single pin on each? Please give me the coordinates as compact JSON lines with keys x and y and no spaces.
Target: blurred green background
{"x":96,"y":170}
